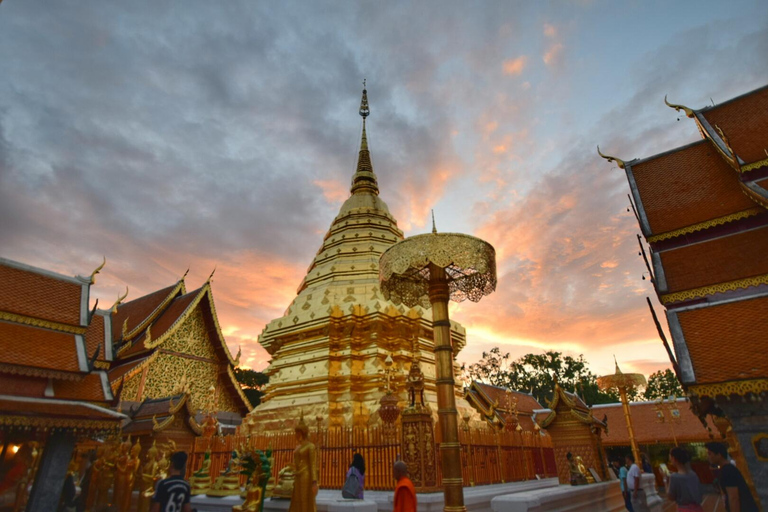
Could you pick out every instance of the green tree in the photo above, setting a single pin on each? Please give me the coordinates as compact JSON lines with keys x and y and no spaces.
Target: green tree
{"x":491,"y":369}
{"x":251,"y":382}
{"x":662,"y":384}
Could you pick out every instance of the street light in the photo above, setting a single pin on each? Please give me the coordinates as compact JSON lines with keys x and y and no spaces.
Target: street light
{"x":428,"y":270}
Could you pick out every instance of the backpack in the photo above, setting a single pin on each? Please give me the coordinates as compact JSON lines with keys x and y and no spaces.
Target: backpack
{"x":351,"y":487}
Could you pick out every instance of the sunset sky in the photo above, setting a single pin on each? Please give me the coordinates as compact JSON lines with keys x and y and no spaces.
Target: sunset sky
{"x":168,"y":135}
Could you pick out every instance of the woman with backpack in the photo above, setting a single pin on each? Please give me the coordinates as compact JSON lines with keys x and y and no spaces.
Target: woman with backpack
{"x":355,"y":481}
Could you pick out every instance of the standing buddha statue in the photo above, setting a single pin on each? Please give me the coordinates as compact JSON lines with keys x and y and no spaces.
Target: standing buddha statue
{"x":121,"y":474}
{"x":107,"y":477}
{"x":305,"y":467}
{"x":129,"y":478}
{"x":149,"y":477}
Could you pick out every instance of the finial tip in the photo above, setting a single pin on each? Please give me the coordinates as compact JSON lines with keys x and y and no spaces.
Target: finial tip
{"x":434,"y":228}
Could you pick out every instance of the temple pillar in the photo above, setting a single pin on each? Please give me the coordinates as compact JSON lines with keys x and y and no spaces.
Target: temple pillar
{"x":52,"y":471}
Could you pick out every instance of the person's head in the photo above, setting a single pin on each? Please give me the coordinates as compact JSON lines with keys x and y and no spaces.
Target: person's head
{"x":400,"y":470}
{"x":679,"y":456}
{"x":569,"y":456}
{"x":629,"y":459}
{"x":179,"y":462}
{"x":358,"y":462}
{"x":717,"y":453}
{"x":616,"y":463}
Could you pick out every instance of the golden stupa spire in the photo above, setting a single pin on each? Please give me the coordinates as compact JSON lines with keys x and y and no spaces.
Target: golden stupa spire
{"x":364,"y":180}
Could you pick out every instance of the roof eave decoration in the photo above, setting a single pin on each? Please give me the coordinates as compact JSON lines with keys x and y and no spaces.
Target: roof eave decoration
{"x":736,"y":387}
{"x":236,"y":385}
{"x":120,"y":299}
{"x":135,"y":370}
{"x":688,"y":112}
{"x":178,"y":289}
{"x":619,"y":161}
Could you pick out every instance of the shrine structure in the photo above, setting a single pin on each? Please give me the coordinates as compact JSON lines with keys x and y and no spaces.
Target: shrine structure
{"x":52,"y":391}
{"x":702,"y":212}
{"x":328,"y":349}
{"x":168,"y":340}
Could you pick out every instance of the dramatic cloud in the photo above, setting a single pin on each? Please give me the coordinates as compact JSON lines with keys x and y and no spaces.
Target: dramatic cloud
{"x":201,"y":135}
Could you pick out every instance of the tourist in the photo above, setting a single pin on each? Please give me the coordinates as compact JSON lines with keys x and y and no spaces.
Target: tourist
{"x":173,"y":493}
{"x":305,"y":472}
{"x":732,"y":483}
{"x":405,"y":492}
{"x":623,"y":480}
{"x":355,"y":479}
{"x":646,"y":463}
{"x":684,"y":486}
{"x":636,"y":493}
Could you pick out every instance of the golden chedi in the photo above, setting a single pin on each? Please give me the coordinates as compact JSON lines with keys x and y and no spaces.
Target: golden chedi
{"x":330,"y":344}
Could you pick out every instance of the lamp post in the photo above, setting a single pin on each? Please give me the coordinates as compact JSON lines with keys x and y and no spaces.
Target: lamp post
{"x":428,"y":270}
{"x":624,"y":382}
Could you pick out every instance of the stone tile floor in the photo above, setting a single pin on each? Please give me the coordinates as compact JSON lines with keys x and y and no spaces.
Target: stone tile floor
{"x":711,"y":503}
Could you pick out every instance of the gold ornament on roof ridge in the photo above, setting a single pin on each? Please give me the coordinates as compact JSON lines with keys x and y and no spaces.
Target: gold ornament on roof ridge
{"x":97,"y":270}
{"x":688,"y":112}
{"x":120,"y":299}
{"x":717,"y":288}
{"x":618,"y":161}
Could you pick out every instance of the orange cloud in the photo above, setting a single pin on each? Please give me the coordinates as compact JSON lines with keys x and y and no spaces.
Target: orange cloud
{"x":553,"y":54}
{"x":514,"y":66}
{"x":333,"y":190}
{"x":550,"y":30}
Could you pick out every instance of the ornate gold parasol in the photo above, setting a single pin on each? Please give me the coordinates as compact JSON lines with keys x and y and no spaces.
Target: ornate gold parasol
{"x":428,"y":270}
{"x":624,"y":382}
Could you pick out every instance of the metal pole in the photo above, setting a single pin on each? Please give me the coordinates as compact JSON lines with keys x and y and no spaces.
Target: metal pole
{"x":450,"y":449}
{"x":628,"y":419}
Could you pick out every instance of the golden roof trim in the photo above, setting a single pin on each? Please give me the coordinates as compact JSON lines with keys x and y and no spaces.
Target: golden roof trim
{"x":734,"y":387}
{"x":43,"y":324}
{"x":159,"y":426}
{"x":239,"y":390}
{"x":43,"y":373}
{"x":705,"y":225}
{"x":619,"y":161}
{"x":696,"y":293}
{"x":156,"y":312}
{"x":42,"y":422}
{"x":688,"y":112}
{"x":755,"y":165}
{"x":135,"y":370}
{"x":98,"y":269}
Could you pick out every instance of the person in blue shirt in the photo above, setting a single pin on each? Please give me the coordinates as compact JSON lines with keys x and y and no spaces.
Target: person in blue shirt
{"x":623,"y":470}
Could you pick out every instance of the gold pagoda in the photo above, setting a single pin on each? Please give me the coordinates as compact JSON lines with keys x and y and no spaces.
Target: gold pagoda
{"x":329,"y":348}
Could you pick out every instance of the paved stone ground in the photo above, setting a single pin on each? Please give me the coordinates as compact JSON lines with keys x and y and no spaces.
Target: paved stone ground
{"x":711,"y":503}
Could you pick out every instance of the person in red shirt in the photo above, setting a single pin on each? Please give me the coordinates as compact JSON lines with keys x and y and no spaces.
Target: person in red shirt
{"x":405,"y":493}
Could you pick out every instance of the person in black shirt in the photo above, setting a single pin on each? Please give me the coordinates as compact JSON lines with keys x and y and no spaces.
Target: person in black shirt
{"x":173,"y":493}
{"x":734,"y":487}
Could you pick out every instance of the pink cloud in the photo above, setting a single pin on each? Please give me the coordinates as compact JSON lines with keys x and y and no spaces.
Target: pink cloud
{"x":553,"y":54}
{"x":333,"y":190}
{"x":514,"y":66}
{"x":550,"y":30}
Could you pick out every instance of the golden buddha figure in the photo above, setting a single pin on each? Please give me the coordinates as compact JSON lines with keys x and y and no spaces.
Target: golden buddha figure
{"x":107,"y":477}
{"x":228,"y":483}
{"x":583,"y":470}
{"x":94,"y":484}
{"x":122,"y":469}
{"x":285,"y":481}
{"x":577,"y":477}
{"x":200,"y":481}
{"x":126,"y":475}
{"x":305,"y":471}
{"x":149,"y":477}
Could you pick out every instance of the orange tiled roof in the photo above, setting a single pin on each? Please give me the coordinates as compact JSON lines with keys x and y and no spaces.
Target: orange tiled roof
{"x":89,"y":389}
{"x":716,"y":261}
{"x":118,"y":371}
{"x":162,"y":324}
{"x":648,"y":429}
{"x":34,"y":347}
{"x":728,"y":341}
{"x":525,"y":402}
{"x":690,"y":185}
{"x":39,"y":412}
{"x":744,"y":123}
{"x":22,"y":385}
{"x":38,"y":295}
{"x":94,"y":338}
{"x":138,"y":310}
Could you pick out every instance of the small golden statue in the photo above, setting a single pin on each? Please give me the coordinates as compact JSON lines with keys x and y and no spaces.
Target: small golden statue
{"x":285,"y":481}
{"x":122,"y":475}
{"x":305,"y":471}
{"x":252,"y":500}
{"x":107,"y":478}
{"x":228,"y":483}
{"x":200,"y":481}
{"x":149,"y":478}
{"x":583,"y":470}
{"x":577,"y":477}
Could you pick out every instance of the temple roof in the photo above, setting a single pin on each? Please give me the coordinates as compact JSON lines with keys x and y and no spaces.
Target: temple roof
{"x":687,"y":186}
{"x":47,"y":413}
{"x":564,"y":401}
{"x":154,"y":415}
{"x":746,"y":132}
{"x":648,"y":427}
{"x":43,"y":295}
{"x":139,"y":313}
{"x":492,"y":403}
{"x":727,"y":341}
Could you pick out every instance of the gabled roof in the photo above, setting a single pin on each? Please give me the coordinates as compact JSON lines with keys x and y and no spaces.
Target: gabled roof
{"x":740,"y":122}
{"x":137,"y":314}
{"x":564,"y":401}
{"x":648,"y":426}
{"x":42,"y":295}
{"x":155,"y":415}
{"x":46,"y":413}
{"x":492,"y":403}
{"x":36,"y":351}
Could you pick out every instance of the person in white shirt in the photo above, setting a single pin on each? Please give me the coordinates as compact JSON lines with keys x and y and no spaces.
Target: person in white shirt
{"x":637,"y":495}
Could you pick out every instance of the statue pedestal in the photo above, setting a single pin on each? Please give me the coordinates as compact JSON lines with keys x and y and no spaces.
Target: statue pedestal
{"x":418,"y":448}
{"x":226,"y":485}
{"x":200,"y":484}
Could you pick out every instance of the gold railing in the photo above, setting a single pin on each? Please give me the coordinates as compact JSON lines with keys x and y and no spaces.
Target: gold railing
{"x":488,"y":456}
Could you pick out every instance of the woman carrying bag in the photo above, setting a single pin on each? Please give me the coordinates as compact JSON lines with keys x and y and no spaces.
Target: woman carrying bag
{"x":355,"y":482}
